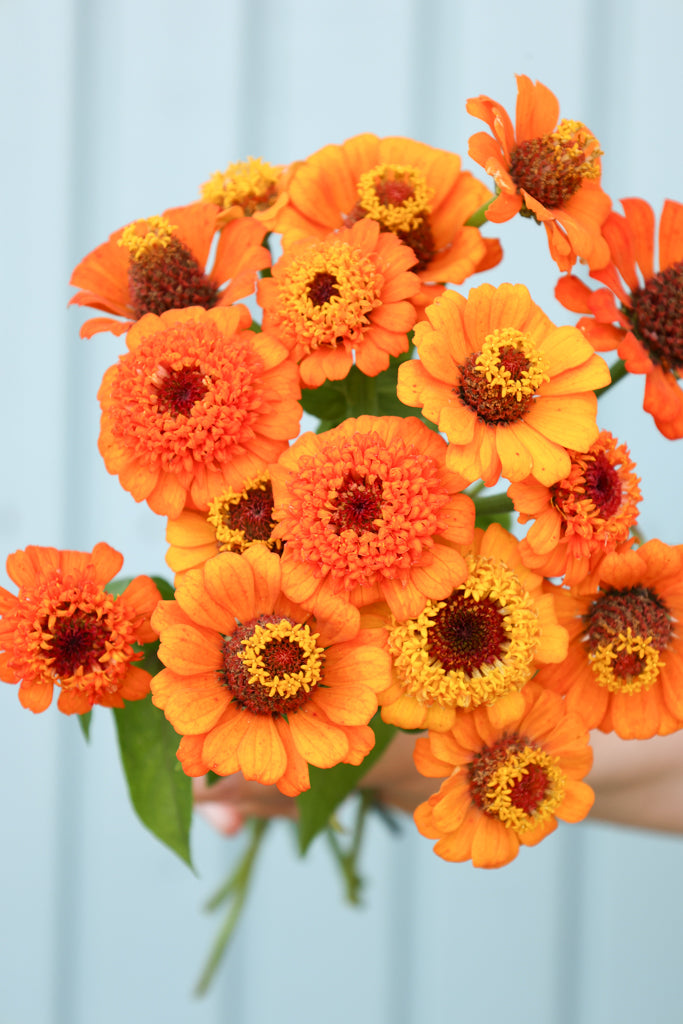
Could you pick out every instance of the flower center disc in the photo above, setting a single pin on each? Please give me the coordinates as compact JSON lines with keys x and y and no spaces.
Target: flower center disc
{"x":499,"y":382}
{"x":467,"y":634}
{"x":551,"y":168}
{"x":626,"y":631}
{"x":516,"y":782}
{"x":241,"y":520}
{"x":358,"y":506}
{"x":656,"y":315}
{"x":78,"y":642}
{"x":179,"y":390}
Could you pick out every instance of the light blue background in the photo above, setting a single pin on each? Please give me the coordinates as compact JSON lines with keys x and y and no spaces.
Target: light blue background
{"x":117,"y":109}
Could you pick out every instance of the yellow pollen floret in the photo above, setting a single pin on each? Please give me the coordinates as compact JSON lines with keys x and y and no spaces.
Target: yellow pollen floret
{"x":228,"y":538}
{"x":650,"y":663}
{"x":145,"y":236}
{"x":404,"y":216}
{"x":423,"y":676}
{"x":584,"y":148}
{"x":289,"y":684}
{"x":490,"y":362}
{"x":501,"y":783}
{"x":250,"y":183}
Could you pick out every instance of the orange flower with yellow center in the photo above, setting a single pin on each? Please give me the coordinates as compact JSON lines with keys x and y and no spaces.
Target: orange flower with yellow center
{"x":160,"y":263}
{"x":640,"y":312}
{"x":624,"y":668}
{"x":544,"y":170}
{"x":198,"y":404}
{"x":349,"y":293}
{"x":233,"y":521}
{"x":477,"y":648}
{"x":369,"y":512}
{"x":505,"y":786}
{"x":63,"y":629}
{"x":509,"y":389}
{"x":254,"y":683}
{"x":412,"y":189}
{"x":582,"y":518}
{"x":247,"y":188}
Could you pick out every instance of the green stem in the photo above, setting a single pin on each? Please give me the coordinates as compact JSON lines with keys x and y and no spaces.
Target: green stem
{"x":493,"y":504}
{"x":479,"y":216}
{"x":617,"y":371}
{"x":348,"y":861}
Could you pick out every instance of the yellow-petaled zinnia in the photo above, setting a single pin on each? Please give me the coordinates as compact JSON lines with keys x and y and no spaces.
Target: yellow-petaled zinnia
{"x":640,"y":312}
{"x":546,"y":170}
{"x":624,"y":668}
{"x":504,"y":786}
{"x":248,"y":188}
{"x":412,"y":189}
{"x":476,"y":648}
{"x":580,"y":519}
{"x":160,"y":263}
{"x":255,"y":683}
{"x":234,"y":520}
{"x":348,"y":294}
{"x":197,"y":405}
{"x":64,"y":629}
{"x":511,"y":391}
{"x":369,"y":512}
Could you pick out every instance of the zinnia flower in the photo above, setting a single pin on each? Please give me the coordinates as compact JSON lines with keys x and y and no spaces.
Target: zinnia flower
{"x":624,"y":669}
{"x":505,"y":786}
{"x":640,"y":313}
{"x":63,"y":629}
{"x":412,"y":189}
{"x":582,"y":518}
{"x":349,"y":293}
{"x":509,"y":389}
{"x":476,"y":648}
{"x":254,"y":683}
{"x":248,"y":188}
{"x":160,"y":263}
{"x":368,"y":512}
{"x":198,"y":404}
{"x":545,"y":170}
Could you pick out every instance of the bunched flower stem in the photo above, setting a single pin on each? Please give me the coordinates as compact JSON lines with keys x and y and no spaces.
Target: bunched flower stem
{"x":479,"y":216}
{"x":493,"y":505}
{"x":348,"y":861}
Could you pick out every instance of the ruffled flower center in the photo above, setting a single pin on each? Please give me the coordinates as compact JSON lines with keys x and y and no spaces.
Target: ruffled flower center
{"x":251,"y":184}
{"x":626,"y":632}
{"x":474,"y":647}
{"x":552,"y":168}
{"x":162,"y":272}
{"x":272,"y":664}
{"x":179,"y":389}
{"x":500,"y":381}
{"x":245,"y":518}
{"x":398,"y":198}
{"x":517,"y":782}
{"x":656,"y":315}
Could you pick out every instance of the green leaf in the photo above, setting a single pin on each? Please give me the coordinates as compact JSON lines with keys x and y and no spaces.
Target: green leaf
{"x":160,"y":791}
{"x":330,"y":786}
{"x":84,"y":722}
{"x":164,"y":587}
{"x":325,"y":403}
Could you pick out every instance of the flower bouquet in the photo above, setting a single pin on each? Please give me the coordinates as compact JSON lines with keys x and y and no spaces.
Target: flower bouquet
{"x":333,"y":589}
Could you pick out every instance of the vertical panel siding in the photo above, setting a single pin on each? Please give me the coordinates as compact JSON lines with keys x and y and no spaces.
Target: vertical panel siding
{"x":118,"y":110}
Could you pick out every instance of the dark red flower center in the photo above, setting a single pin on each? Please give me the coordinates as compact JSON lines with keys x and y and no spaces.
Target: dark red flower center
{"x":357,"y":506}
{"x":529,"y":792}
{"x":322,"y":288}
{"x":656,"y":315}
{"x":168,"y":277}
{"x":179,"y":390}
{"x":603,"y":485}
{"x":487,"y":399}
{"x":551,"y":170}
{"x":78,"y":641}
{"x":486,"y":761}
{"x":615,"y":611}
{"x":253,"y":515}
{"x":467,"y":634}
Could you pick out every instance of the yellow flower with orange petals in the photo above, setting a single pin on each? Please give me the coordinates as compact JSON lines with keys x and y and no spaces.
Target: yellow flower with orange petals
{"x":254,"y":683}
{"x":247,"y":188}
{"x":582,"y":518}
{"x":640,"y":312}
{"x":63,"y":629}
{"x":233,"y":521}
{"x":160,"y":263}
{"x":624,"y":669}
{"x":197,"y":405}
{"x":476,"y":648}
{"x":368,"y":512}
{"x":546,"y":170}
{"x":506,"y":786}
{"x":349,"y":293}
{"x":509,"y":389}
{"x":412,"y":189}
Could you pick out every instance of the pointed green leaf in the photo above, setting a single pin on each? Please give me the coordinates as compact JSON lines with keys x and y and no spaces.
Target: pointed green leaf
{"x":84,"y":722}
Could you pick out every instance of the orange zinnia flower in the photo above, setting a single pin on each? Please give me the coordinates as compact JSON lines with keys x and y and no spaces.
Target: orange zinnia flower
{"x":368,"y":511}
{"x":505,"y":786}
{"x":63,"y":629}
{"x":478,"y":647}
{"x":583,"y":517}
{"x":412,"y":189}
{"x":198,"y":404}
{"x":645,"y":323}
{"x":509,"y":389}
{"x":160,"y":263}
{"x":349,"y":293}
{"x":248,"y":188}
{"x":624,"y":669}
{"x":233,"y":521}
{"x":254,"y":683}
{"x":544,"y":170}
